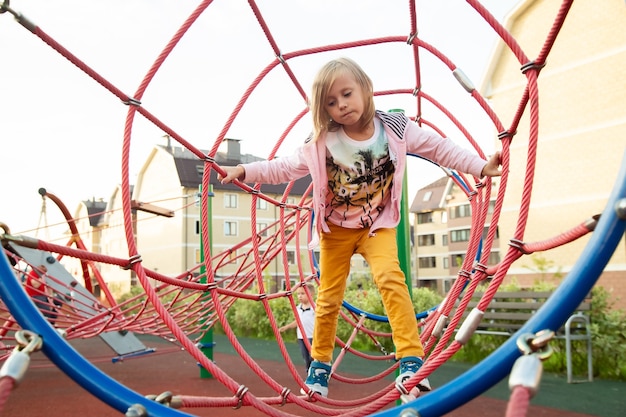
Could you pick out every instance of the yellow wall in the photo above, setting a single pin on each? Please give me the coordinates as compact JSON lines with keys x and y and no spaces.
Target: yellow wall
{"x":582,"y":127}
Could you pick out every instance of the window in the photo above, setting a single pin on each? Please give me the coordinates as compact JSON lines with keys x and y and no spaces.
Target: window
{"x":423,"y":218}
{"x":486,"y":231}
{"x":444,"y":217}
{"x":261,"y":204}
{"x":426,"y":240}
{"x":444,"y":240}
{"x":198,"y":256}
{"x":197,"y":227}
{"x":230,"y":200}
{"x":230,"y":228}
{"x":291,"y":257}
{"x":427,"y":262}
{"x":457,"y":260}
{"x":460,"y":211}
{"x":446,"y":262}
{"x":283,"y":283}
{"x":494,"y":258}
{"x":460,"y":235}
{"x":261,"y":229}
{"x":427,"y":196}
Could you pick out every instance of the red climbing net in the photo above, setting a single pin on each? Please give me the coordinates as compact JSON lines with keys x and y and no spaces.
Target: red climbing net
{"x":184,"y":307}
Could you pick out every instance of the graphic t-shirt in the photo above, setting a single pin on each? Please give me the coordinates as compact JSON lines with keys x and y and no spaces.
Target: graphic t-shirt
{"x":360,"y":176}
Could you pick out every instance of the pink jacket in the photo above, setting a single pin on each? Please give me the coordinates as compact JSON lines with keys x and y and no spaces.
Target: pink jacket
{"x":405,"y":137}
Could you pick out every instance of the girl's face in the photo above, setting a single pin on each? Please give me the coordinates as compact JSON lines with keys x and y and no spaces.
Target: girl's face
{"x":344,"y":101}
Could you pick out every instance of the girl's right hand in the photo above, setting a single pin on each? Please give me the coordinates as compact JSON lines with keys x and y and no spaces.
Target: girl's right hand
{"x":232,"y":173}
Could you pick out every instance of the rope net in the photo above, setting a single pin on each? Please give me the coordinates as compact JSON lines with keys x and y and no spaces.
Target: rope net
{"x":184,"y":307}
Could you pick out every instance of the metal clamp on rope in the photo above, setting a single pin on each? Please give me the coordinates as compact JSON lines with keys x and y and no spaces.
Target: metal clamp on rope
{"x":131,"y":261}
{"x":464,"y":80}
{"x":241,"y":391}
{"x":528,"y":368}
{"x":519,"y":245}
{"x":411,"y":38}
{"x":506,"y":134}
{"x":136,"y":410}
{"x":16,"y":365}
{"x":469,"y":326}
{"x":442,"y":320}
{"x":166,"y":398}
{"x":402,"y":389}
{"x":532,"y":65}
{"x":284,"y":394}
{"x":480,"y":267}
{"x":4,"y":7}
{"x":132,"y":102}
{"x":25,"y":241}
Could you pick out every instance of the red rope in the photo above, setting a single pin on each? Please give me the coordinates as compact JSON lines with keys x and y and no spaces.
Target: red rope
{"x":6,"y":387}
{"x":518,"y":402}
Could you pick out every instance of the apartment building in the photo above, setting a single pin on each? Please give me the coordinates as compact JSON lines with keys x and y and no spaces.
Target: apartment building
{"x":442,"y":225}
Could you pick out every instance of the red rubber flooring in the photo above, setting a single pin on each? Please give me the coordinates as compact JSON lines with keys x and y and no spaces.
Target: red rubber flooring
{"x":46,"y":391}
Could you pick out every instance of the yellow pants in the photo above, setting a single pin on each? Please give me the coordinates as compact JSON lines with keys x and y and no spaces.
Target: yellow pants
{"x":381,"y":253}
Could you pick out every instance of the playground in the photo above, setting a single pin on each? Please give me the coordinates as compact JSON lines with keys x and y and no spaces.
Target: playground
{"x":95,"y":353}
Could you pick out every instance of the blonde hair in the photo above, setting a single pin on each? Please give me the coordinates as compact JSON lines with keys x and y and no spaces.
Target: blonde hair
{"x":309,"y":286}
{"x":324,"y":80}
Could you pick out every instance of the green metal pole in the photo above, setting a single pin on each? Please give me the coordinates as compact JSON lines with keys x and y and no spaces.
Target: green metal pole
{"x":403,"y":237}
{"x":206,"y":341}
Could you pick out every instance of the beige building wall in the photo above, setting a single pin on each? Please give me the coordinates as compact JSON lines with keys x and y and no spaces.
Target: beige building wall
{"x":90,"y":236}
{"x":265,"y":216}
{"x":114,"y":244}
{"x":582,"y":128}
{"x":159,"y":238}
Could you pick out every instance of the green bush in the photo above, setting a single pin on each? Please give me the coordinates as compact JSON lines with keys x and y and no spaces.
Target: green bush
{"x":249,"y":319}
{"x":608,"y":330}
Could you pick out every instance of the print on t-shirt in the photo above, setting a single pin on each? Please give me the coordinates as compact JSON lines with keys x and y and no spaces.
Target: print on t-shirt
{"x":360,"y":175}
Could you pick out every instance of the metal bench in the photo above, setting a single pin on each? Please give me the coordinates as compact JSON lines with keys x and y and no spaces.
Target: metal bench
{"x":509,"y":311}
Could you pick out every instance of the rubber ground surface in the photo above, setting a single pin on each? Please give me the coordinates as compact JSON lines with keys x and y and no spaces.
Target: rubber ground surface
{"x":45,"y":391}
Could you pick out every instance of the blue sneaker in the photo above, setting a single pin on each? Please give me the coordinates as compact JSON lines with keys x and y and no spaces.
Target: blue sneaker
{"x":317,"y":379}
{"x":409,"y":367}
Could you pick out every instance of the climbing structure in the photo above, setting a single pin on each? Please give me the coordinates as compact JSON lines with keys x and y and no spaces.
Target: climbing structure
{"x":184,"y":308}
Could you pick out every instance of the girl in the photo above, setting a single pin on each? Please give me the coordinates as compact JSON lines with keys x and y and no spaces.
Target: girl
{"x":356,"y":157}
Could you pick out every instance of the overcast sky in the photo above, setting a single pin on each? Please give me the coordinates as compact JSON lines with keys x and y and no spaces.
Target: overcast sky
{"x":62,"y":131}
